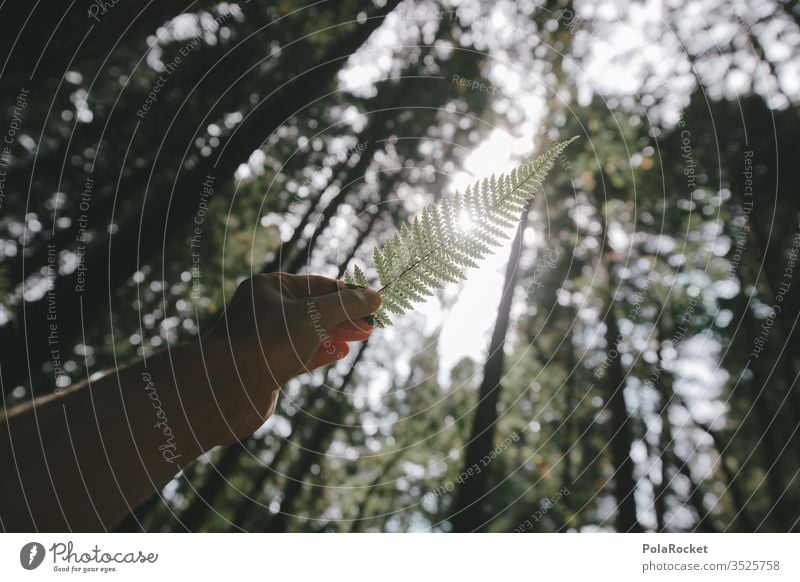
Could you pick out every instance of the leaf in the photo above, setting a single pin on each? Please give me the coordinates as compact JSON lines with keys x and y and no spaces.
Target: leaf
{"x":452,"y":235}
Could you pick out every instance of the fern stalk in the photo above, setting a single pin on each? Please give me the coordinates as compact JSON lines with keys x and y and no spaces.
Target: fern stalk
{"x":451,"y":235}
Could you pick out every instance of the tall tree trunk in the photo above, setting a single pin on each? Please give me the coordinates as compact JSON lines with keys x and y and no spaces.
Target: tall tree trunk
{"x":664,"y":450}
{"x":621,"y":439}
{"x":314,"y":449}
{"x":774,"y":440}
{"x":775,"y":458}
{"x":663,"y":386}
{"x":622,"y":436}
{"x":570,"y":432}
{"x":195,"y":515}
{"x":570,"y":405}
{"x":290,"y":257}
{"x":704,"y":524}
{"x":358,"y":522}
{"x":250,"y":503}
{"x":468,"y":512}
{"x":732,"y":477}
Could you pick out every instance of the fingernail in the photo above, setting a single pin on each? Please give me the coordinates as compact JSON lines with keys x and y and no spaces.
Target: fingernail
{"x":369,"y":295}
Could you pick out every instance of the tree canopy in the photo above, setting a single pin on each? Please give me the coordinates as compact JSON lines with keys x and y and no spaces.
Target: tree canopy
{"x":629,"y":362}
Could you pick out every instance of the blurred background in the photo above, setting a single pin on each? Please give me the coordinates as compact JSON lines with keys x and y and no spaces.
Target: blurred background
{"x":628,"y":363}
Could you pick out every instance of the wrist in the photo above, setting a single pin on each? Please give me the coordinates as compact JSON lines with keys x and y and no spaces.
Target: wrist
{"x":184,"y":380}
{"x":236,"y":393}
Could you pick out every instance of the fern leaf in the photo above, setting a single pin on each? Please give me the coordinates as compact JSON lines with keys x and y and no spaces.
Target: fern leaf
{"x":452,"y":235}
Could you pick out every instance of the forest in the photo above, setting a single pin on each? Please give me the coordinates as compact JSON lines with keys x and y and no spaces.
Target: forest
{"x":627,"y":362}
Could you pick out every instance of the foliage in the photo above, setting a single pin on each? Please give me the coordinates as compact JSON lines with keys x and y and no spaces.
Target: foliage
{"x":648,"y":229}
{"x":450,"y":235}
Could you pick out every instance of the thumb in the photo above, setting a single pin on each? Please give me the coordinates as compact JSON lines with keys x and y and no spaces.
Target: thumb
{"x":347,"y":304}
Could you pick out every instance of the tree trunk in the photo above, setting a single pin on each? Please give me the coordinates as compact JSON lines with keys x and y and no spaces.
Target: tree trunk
{"x":314,"y":449}
{"x":622,"y":436}
{"x":663,"y":386}
{"x":250,"y":503}
{"x":195,"y":515}
{"x":290,"y":257}
{"x":732,"y":477}
{"x":570,"y":404}
{"x":358,"y":522}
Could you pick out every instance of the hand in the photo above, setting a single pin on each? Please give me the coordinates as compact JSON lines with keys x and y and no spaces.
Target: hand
{"x":88,"y":454}
{"x":276,"y":327}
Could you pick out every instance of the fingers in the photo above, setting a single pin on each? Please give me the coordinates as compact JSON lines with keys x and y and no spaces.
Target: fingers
{"x":347,"y":304}
{"x":340,"y":334}
{"x":309,"y":285}
{"x":324,"y":356}
{"x":342,"y":305}
{"x":358,"y":325}
{"x":337,"y":348}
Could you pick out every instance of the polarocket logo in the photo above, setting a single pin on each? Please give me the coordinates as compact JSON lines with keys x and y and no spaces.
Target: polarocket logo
{"x":31,"y":555}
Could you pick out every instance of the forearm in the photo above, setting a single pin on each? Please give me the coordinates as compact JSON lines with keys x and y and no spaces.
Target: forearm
{"x":82,"y":459}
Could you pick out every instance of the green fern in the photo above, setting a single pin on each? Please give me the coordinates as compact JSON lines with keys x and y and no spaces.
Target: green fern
{"x":451,"y":235}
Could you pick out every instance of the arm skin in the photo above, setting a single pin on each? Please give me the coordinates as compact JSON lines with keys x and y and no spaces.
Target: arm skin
{"x":80,"y":460}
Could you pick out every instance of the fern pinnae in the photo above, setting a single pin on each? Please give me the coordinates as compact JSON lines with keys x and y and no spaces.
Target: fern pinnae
{"x":452,"y":235}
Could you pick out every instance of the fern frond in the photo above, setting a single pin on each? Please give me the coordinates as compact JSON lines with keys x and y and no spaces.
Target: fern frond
{"x":452,"y":235}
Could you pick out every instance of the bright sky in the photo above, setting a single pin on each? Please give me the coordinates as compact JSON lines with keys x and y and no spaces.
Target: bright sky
{"x":468,"y":326}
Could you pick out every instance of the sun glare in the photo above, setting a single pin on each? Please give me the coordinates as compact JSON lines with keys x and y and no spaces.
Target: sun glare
{"x":465,"y":222}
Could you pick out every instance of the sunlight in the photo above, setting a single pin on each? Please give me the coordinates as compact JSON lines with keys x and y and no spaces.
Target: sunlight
{"x":466,"y":327}
{"x":465,"y":222}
